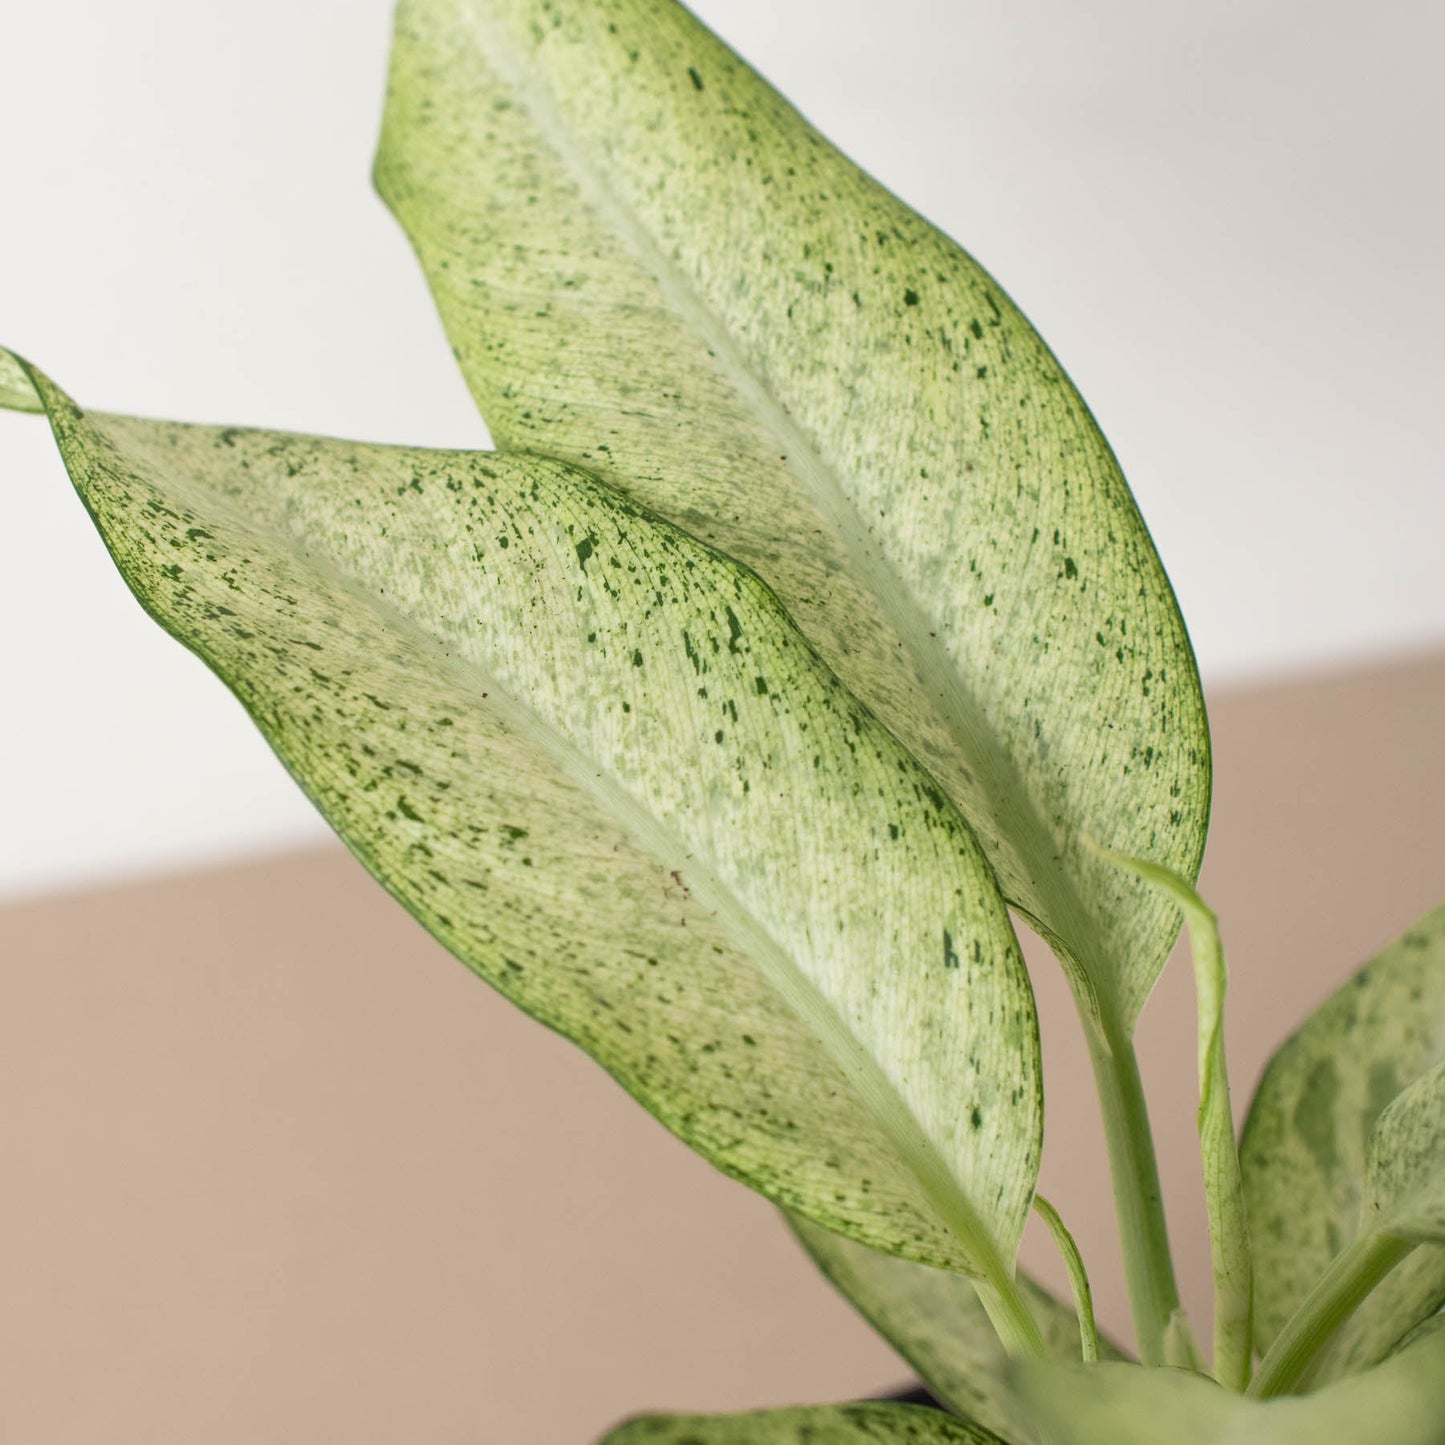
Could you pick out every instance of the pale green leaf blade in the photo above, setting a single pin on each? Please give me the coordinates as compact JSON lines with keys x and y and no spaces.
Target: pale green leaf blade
{"x":866,"y":1424}
{"x":597,"y":760}
{"x":1304,"y":1150}
{"x":1401,"y":1402}
{"x":933,"y":1318}
{"x":1405,"y":1163}
{"x":649,"y":264}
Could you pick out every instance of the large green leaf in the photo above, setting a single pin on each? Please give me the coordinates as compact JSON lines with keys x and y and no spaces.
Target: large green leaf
{"x":650,"y":265}
{"x":1401,"y":1402}
{"x":934,"y":1320}
{"x":806,"y":1425}
{"x":1307,"y":1139}
{"x":597,"y":760}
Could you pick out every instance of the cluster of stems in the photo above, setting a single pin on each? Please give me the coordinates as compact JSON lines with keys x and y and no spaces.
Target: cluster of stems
{"x":1163,"y":1336}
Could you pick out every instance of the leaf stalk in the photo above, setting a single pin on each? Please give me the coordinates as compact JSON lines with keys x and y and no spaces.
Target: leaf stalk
{"x":1078,"y":1277}
{"x":1233,"y":1266}
{"x":1004,"y":1304}
{"x":1138,"y":1199}
{"x":1355,"y":1271}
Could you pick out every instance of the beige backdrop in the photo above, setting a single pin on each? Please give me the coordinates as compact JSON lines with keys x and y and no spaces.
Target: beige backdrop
{"x":276,"y":1169}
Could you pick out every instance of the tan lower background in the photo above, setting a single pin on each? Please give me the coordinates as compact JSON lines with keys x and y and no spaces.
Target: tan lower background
{"x":276,"y":1169}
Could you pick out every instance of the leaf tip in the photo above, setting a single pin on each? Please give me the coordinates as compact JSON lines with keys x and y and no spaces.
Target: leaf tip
{"x":17,"y":389}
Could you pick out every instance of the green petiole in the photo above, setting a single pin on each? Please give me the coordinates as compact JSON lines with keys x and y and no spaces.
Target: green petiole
{"x":1078,"y":1277}
{"x":1355,"y":1271}
{"x":1223,"y":1186}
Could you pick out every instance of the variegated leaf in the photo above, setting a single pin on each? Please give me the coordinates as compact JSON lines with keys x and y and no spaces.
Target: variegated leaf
{"x":650,"y":265}
{"x":599,"y":762}
{"x":1306,"y":1143}
{"x":809,"y":1425}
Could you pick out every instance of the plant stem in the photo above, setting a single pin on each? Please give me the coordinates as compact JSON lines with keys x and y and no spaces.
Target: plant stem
{"x":1354,"y":1272}
{"x":1078,"y":1278}
{"x":1138,"y":1201}
{"x":1013,"y":1322}
{"x":1219,"y":1152}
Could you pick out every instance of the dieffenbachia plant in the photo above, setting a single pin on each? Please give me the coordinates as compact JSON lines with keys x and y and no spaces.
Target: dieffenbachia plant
{"x":800,"y":628}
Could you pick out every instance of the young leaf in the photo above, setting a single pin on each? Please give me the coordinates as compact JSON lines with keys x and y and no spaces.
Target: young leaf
{"x":808,"y":1425}
{"x":1306,"y":1142}
{"x":935,"y":1321}
{"x":649,"y":264}
{"x":596,"y":759}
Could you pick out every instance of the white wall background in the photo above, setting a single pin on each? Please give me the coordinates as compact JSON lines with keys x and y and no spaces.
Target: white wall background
{"x":1225,"y":216}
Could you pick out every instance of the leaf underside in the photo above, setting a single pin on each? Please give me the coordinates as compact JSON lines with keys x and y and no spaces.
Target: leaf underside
{"x":596,"y":760}
{"x":808,"y":1425}
{"x":1306,"y":1145}
{"x":935,"y":1321}
{"x":649,"y":264}
{"x":1401,"y":1402}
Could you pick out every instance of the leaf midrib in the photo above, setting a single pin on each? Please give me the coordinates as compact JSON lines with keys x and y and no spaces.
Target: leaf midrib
{"x":652,"y":836}
{"x":750,"y":934}
{"x":938,"y":678}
